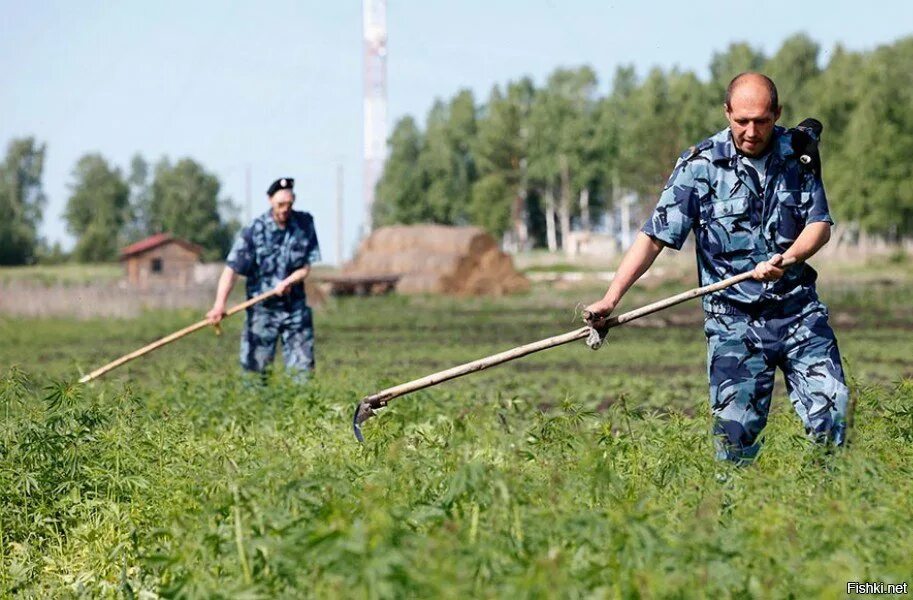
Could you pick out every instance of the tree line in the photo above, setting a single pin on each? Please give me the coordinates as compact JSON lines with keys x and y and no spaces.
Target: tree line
{"x":531,"y":163}
{"x":108,"y":207}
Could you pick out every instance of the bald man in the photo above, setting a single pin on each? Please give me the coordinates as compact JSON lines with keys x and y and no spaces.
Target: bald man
{"x":274,"y":252}
{"x":750,"y":203}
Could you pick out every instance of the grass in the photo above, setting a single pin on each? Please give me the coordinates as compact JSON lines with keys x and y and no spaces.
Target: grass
{"x":571,"y":473}
{"x":63,"y":274}
{"x":78,"y":273}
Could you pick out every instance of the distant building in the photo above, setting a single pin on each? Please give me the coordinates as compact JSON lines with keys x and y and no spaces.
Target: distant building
{"x":160,"y":260}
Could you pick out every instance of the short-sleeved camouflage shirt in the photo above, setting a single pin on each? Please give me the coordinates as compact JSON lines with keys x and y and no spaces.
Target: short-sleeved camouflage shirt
{"x":266,"y":254}
{"x":737,"y":222}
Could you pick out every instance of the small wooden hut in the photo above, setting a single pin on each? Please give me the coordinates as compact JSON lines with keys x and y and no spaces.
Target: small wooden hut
{"x":160,"y":260}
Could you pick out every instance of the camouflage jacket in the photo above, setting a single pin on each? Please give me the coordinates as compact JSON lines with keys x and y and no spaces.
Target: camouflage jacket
{"x":738,"y":223}
{"x":266,"y":254}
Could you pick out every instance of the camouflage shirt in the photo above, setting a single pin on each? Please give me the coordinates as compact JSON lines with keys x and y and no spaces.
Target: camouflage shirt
{"x":738,"y":222}
{"x":266,"y":254}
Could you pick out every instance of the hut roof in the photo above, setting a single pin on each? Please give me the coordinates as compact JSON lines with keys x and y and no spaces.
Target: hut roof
{"x":154,"y":241}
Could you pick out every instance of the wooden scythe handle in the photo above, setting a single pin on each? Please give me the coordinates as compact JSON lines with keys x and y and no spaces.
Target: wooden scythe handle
{"x":172,"y":337}
{"x":381,"y":398}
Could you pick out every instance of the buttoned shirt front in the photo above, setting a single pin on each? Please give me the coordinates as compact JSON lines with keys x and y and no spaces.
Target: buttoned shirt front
{"x":739,"y":222}
{"x":266,"y":254}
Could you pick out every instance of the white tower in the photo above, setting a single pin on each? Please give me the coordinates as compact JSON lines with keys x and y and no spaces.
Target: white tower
{"x":375,"y":98}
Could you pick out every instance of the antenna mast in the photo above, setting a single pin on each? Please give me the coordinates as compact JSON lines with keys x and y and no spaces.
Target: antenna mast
{"x":375,"y":99}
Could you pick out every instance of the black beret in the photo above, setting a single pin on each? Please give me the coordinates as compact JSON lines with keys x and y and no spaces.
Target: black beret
{"x":286,"y":183}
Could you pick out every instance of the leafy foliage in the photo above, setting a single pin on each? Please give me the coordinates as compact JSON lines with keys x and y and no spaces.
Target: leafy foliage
{"x":185,"y":202}
{"x":429,"y":179}
{"x":107,"y":209}
{"x":569,"y":472}
{"x":97,"y":209}
{"x":21,"y":201}
{"x":402,"y":185}
{"x":529,"y":151}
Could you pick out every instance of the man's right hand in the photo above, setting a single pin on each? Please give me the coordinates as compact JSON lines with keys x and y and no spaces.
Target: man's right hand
{"x":596,"y":313}
{"x":216,"y":313}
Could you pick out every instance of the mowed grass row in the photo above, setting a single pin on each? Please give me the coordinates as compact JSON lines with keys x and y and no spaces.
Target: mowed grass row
{"x":571,"y":473}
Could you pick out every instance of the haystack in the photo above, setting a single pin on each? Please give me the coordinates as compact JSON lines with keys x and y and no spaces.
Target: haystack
{"x":315,"y":295}
{"x":437,"y":259}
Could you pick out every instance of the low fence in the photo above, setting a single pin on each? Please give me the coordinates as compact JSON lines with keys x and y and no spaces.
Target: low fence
{"x":91,"y":300}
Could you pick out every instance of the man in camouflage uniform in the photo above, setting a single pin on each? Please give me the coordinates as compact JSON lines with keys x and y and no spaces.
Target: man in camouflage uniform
{"x":751,"y":203}
{"x":276,"y":249}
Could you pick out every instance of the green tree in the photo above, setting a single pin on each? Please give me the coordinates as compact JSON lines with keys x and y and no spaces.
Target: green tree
{"x":446,"y":159}
{"x":462,"y":129}
{"x":137,"y":226}
{"x":490,"y":205}
{"x":559,"y":122}
{"x":185,"y":202}
{"x":872,"y":184}
{"x":689,"y":99}
{"x":400,"y":190}
{"x":51,"y":254}
{"x":836,"y":92}
{"x":650,"y":136}
{"x":435,"y":161}
{"x":428,"y":178}
{"x":610,"y":113}
{"x":794,"y":68}
{"x":499,"y":150}
{"x":21,"y":201}
{"x":737,"y":58}
{"x":533,"y":158}
{"x":97,"y":209}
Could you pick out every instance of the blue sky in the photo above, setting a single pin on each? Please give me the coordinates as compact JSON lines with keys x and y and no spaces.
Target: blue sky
{"x":277,"y":85}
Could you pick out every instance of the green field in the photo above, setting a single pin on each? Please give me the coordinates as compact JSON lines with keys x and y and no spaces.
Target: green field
{"x":571,"y":473}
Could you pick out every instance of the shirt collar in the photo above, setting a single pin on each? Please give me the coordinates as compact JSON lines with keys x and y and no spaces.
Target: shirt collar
{"x":724,"y":151}
{"x":270,"y":224}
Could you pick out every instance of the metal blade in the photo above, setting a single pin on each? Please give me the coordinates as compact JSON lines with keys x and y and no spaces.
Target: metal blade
{"x":363,"y":412}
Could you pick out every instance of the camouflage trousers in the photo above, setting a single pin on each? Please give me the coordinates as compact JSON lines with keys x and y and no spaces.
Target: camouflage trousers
{"x":743,"y":352}
{"x":264,"y":326}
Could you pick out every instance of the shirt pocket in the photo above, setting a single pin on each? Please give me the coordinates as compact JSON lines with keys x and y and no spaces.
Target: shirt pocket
{"x":727,"y":227}
{"x":792,"y":209}
{"x":298,"y":253}
{"x":264,"y":256}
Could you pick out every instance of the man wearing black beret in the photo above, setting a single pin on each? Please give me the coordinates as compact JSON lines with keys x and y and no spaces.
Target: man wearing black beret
{"x":277,"y":248}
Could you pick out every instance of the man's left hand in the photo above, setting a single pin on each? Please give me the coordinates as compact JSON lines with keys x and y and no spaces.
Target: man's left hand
{"x":769,"y":270}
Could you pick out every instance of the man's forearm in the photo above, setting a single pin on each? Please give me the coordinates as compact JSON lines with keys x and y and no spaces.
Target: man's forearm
{"x":299,"y":274}
{"x":226,"y":283}
{"x":635,"y":263}
{"x":812,"y":238}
